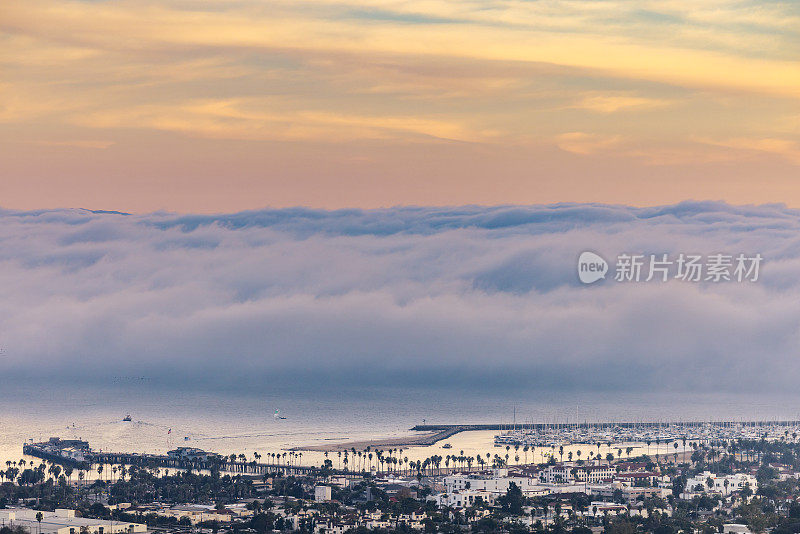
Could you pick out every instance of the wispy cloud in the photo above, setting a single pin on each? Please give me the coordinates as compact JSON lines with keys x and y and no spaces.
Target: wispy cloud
{"x":586,"y":143}
{"x":616,"y":102}
{"x":786,"y":148}
{"x":639,"y":80}
{"x":80,"y":143}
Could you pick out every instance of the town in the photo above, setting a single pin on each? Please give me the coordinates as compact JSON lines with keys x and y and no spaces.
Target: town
{"x":733,"y":485}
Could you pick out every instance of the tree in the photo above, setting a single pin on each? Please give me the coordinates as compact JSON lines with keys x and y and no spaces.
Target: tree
{"x":39,"y":518}
{"x":620,"y":525}
{"x":678,"y":485}
{"x":512,"y":501}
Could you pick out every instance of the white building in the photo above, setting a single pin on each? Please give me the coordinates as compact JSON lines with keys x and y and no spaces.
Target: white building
{"x":602,"y":508}
{"x":463,"y":498}
{"x":322,"y":493}
{"x":567,"y":473}
{"x":735,"y":528}
{"x":722,"y":484}
{"x":496,"y":484}
{"x":63,"y":521}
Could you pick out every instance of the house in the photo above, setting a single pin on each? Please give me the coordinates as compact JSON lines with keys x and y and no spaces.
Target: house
{"x":463,"y":498}
{"x":707,"y":482}
{"x":322,"y":493}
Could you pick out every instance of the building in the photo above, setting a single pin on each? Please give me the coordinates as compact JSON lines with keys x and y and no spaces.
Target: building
{"x":192,"y":454}
{"x":627,"y":493}
{"x":566,"y":473}
{"x":463,"y":498}
{"x":495,"y":484}
{"x":64,"y":521}
{"x":707,"y":482}
{"x":600,"y":509}
{"x":196,"y":513}
{"x":322,"y":493}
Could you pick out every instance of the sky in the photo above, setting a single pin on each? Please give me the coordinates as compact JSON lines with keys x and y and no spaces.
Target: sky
{"x":210,"y":106}
{"x":472,"y":300}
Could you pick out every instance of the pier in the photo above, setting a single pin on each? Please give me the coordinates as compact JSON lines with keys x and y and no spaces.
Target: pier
{"x":86,"y":457}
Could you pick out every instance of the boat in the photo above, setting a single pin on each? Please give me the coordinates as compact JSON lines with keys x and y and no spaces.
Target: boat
{"x":277,"y":415}
{"x":447,"y":446}
{"x":127,"y":418}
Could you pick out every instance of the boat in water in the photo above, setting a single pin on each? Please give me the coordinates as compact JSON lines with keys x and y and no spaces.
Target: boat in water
{"x":127,"y":418}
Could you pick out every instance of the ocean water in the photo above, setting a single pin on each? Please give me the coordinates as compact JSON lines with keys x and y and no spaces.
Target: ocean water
{"x":227,"y":422}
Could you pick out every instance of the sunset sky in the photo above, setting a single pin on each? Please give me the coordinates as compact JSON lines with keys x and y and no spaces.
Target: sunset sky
{"x":218,"y":106}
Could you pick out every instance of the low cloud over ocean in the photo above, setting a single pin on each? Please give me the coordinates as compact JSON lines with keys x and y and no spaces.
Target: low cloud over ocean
{"x":461,"y":298}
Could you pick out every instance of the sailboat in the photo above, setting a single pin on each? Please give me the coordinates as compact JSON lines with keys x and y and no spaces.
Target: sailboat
{"x":277,"y":414}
